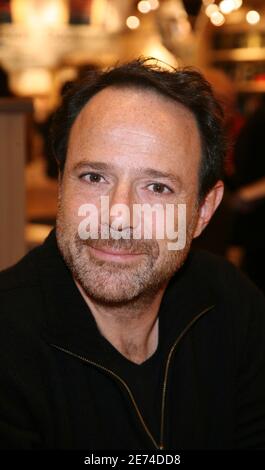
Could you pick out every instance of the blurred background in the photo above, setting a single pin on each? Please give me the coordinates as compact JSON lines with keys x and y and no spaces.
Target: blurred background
{"x":47,"y":44}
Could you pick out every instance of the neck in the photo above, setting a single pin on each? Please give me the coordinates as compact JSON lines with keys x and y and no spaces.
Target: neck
{"x":131,"y":328}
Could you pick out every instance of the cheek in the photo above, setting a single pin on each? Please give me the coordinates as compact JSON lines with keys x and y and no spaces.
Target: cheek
{"x":69,"y":204}
{"x":72,"y":199}
{"x":167,"y":259}
{"x":164,"y":222}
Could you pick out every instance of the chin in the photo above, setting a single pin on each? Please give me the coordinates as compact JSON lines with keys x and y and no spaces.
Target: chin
{"x":110,"y":296}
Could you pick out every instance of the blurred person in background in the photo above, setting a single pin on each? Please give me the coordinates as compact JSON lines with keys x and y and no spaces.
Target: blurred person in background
{"x":216,"y":236}
{"x":247,"y":241}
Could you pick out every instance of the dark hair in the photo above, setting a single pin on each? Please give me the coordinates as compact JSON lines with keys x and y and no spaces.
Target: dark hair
{"x":186,"y":86}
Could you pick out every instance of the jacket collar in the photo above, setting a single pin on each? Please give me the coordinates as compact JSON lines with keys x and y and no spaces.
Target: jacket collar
{"x":70,"y":323}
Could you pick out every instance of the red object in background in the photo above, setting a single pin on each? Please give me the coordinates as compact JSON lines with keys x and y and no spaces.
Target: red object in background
{"x":260,"y":77}
{"x":236,"y":124}
{"x":5,"y":12}
{"x":80,"y":11}
{"x":4,"y":4}
{"x":80,"y":5}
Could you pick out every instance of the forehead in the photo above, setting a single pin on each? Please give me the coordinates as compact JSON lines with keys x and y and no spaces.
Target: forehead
{"x":125,"y":122}
{"x":135,"y":104}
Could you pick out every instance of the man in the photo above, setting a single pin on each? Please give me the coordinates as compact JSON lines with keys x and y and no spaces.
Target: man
{"x":120,"y":342}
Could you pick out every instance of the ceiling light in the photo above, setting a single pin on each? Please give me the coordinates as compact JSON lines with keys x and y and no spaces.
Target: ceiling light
{"x":154,"y":4}
{"x":227,"y":6}
{"x":211,"y":9}
{"x":252,"y":17}
{"x":238,"y":4}
{"x":217,"y":18}
{"x":144,"y":6}
{"x":133,"y":22}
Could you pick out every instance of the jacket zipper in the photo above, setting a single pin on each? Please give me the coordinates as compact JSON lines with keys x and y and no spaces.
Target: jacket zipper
{"x":161,"y":445}
{"x":165,"y":383}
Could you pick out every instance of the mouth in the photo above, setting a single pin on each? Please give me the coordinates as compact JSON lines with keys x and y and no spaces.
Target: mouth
{"x":109,"y":254}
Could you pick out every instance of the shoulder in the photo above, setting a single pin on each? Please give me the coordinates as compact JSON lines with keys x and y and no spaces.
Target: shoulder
{"x":239,"y":303}
{"x":20,"y":285}
{"x":22,"y":318}
{"x":21,"y":274}
{"x":222,"y":277}
{"x":20,"y":294}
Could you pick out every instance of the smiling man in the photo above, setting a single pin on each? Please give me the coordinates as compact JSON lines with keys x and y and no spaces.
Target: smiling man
{"x":118,"y":342}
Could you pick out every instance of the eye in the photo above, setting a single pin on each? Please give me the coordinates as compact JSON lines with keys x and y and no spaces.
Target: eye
{"x":160,"y":188}
{"x":93,"y":177}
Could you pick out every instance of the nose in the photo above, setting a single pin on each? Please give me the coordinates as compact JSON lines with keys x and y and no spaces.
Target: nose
{"x":121,"y":206}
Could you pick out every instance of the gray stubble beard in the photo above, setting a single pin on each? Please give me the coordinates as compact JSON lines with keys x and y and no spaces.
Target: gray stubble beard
{"x":113,"y":283}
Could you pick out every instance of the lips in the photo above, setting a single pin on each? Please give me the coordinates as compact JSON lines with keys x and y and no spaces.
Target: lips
{"x":113,"y":254}
{"x":112,"y":251}
{"x":116,"y":249}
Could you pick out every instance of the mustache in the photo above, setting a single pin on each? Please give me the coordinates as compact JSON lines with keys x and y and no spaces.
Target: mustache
{"x":130,"y":245}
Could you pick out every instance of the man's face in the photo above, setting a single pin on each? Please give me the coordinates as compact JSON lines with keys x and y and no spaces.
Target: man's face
{"x":135,"y":147}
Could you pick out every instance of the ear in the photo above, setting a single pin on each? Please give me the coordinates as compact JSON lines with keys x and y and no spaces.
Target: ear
{"x":208,"y":207}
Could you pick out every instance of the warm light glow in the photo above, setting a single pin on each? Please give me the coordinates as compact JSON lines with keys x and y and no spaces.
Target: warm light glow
{"x":158,"y":52}
{"x":30,"y":82}
{"x":98,"y":12}
{"x":211,"y":9}
{"x":238,"y":4}
{"x":133,"y":22}
{"x":154,"y":4}
{"x":217,"y":18}
{"x":227,"y":6}
{"x":207,"y":2}
{"x":39,"y":14}
{"x":144,"y":6}
{"x":252,"y":17}
{"x":36,"y":233}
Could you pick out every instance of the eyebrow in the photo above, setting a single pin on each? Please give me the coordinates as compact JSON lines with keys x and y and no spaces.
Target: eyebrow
{"x":93,"y":165}
{"x":149,"y":172}
{"x":152,"y":173}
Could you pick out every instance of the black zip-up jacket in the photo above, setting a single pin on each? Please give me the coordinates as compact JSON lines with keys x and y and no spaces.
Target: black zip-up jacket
{"x":59,"y":389}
